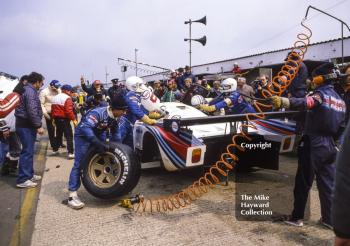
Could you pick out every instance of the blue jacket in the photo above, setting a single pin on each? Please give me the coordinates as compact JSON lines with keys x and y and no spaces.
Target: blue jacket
{"x":238,"y":104}
{"x":298,"y":86}
{"x":29,"y":113}
{"x":94,"y":125}
{"x":135,"y":110}
{"x":326,"y":111}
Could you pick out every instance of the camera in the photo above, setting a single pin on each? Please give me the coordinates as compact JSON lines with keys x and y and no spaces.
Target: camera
{"x":257,"y":82}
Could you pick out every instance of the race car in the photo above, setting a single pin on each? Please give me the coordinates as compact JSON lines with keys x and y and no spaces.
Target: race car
{"x":185,"y":138}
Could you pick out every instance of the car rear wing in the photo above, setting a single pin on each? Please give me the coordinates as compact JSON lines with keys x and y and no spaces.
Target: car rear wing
{"x":174,"y":125}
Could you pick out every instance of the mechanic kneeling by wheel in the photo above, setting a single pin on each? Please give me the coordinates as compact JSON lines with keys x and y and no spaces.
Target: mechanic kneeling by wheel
{"x":92,"y":131}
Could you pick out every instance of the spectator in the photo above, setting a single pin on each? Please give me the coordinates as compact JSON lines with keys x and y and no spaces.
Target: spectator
{"x":63,"y":114}
{"x":245,"y":89}
{"x":158,"y":89}
{"x":10,"y":102}
{"x":28,"y":123}
{"x":187,"y":91}
{"x":9,"y":137}
{"x":114,"y":90}
{"x":46,"y":96}
{"x":96,"y":87}
{"x":92,"y":102}
{"x":172,"y":94}
{"x":206,"y":85}
{"x":260,"y":84}
{"x":236,"y":69}
{"x":180,"y":72}
{"x":215,"y":91}
{"x":187,"y":74}
{"x":200,"y":89}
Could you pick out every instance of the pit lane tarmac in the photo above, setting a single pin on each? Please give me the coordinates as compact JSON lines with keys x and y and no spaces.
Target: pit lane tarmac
{"x":210,"y":220}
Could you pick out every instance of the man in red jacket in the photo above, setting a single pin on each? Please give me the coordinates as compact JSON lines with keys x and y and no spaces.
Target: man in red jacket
{"x":10,"y":102}
{"x":62,"y":112}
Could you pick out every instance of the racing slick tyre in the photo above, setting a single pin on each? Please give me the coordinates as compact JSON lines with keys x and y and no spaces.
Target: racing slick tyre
{"x":111,"y":174}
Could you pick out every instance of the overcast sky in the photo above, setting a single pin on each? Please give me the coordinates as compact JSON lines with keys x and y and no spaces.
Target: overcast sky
{"x":66,"y":38}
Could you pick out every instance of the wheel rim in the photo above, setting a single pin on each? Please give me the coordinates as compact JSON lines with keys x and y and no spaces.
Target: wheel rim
{"x":104,"y":170}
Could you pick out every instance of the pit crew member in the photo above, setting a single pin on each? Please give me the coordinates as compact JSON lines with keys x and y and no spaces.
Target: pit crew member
{"x":136,"y":88}
{"x":92,"y":131}
{"x":317,"y":150}
{"x":230,"y":99}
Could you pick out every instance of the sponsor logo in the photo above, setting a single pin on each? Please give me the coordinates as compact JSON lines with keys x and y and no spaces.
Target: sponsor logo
{"x":174,"y":126}
{"x":125,"y":165}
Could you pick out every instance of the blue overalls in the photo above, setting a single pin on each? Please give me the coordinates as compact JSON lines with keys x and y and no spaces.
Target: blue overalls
{"x":135,"y":112}
{"x":317,"y":149}
{"x":91,"y":130}
{"x":238,"y":104}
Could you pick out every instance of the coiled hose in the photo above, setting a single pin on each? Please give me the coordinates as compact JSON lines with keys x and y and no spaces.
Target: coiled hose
{"x":228,"y":159}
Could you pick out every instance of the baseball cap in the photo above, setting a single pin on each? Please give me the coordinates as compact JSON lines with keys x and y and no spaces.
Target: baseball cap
{"x":55,"y":83}
{"x":119,"y":103}
{"x":67,"y":88}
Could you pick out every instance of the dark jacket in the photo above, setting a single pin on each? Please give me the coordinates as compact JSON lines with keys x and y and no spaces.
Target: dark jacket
{"x":28,"y":113}
{"x":181,"y":82}
{"x":341,"y":198}
{"x":91,"y":90}
{"x":298,"y":86}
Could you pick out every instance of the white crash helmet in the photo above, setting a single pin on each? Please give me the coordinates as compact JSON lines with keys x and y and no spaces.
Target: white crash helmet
{"x":228,"y":85}
{"x":197,"y":100}
{"x":135,"y":84}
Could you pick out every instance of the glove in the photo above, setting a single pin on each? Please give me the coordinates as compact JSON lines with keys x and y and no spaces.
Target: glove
{"x":102,"y":147}
{"x":207,"y":108}
{"x":154,"y":115}
{"x":148,"y":121}
{"x":280,"y":102}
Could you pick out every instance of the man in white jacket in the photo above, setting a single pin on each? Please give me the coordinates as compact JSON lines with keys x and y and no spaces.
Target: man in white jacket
{"x":46,"y":96}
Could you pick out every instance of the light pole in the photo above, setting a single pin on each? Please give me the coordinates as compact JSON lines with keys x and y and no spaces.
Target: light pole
{"x":202,"y":40}
{"x":136,"y":60}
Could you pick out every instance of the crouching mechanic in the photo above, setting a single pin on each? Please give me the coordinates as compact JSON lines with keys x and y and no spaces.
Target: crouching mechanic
{"x":230,"y":99}
{"x":317,"y":150}
{"x":91,"y":131}
{"x":137,"y":92}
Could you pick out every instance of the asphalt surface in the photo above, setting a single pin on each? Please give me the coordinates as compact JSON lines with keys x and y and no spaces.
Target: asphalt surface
{"x":18,"y":206}
{"x":210,"y":220}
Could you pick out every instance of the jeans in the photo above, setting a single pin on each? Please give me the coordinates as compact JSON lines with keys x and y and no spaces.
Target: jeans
{"x":3,"y":150}
{"x":81,"y":148}
{"x":27,"y":137}
{"x":63,"y":126}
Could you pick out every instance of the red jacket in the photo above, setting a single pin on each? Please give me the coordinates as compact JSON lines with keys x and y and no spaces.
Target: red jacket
{"x":8,"y":104}
{"x":62,"y":107}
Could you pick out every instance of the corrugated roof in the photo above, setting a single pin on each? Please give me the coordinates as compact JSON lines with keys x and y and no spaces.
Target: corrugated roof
{"x":273,"y":51}
{"x":257,"y":54}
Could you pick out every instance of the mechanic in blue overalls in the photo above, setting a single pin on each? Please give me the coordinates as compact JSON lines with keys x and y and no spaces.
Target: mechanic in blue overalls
{"x":91,"y":131}
{"x":230,"y":99}
{"x":317,"y":150}
{"x":135,"y":88}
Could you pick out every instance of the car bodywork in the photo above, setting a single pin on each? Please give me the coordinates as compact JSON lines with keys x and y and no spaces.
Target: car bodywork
{"x":175,"y":146}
